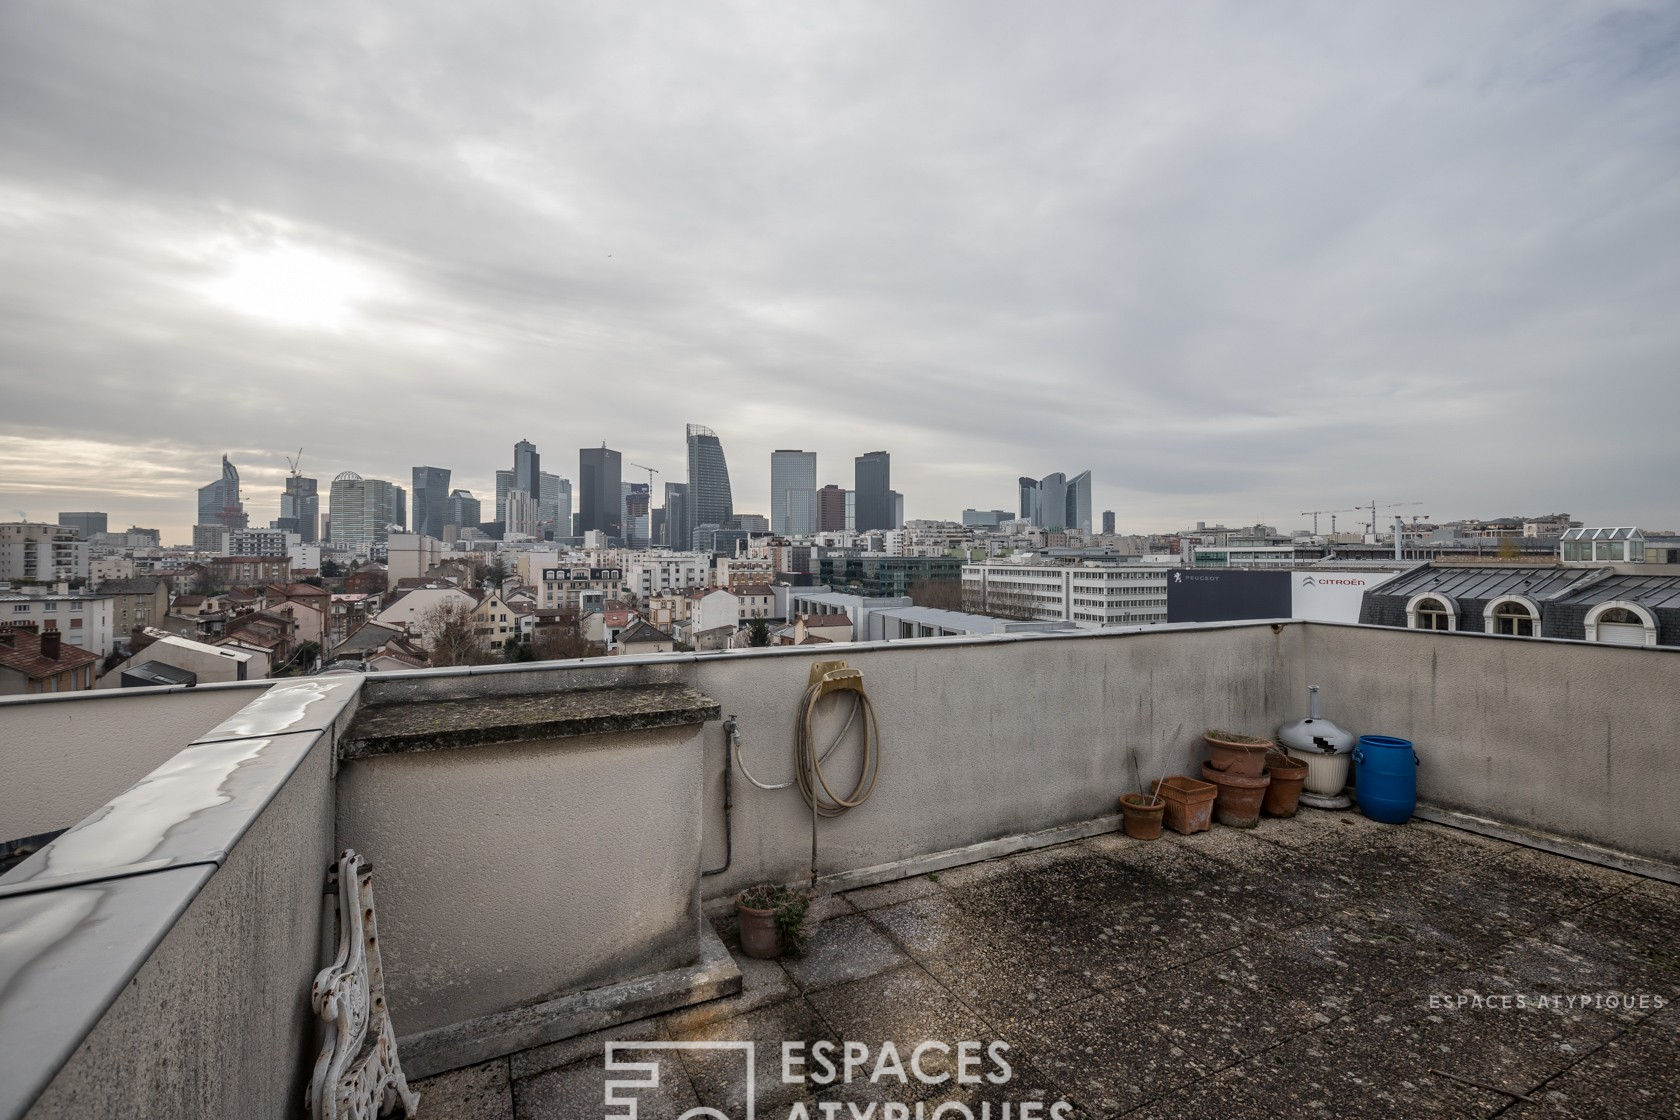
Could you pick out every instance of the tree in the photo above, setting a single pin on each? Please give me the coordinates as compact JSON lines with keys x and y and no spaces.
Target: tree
{"x":331,"y":569}
{"x":1508,"y":549}
{"x":941,"y":594}
{"x":563,"y":639}
{"x":758,"y":634}
{"x":515,"y":649}
{"x":1001,"y":602}
{"x":494,"y":573}
{"x":449,"y":634}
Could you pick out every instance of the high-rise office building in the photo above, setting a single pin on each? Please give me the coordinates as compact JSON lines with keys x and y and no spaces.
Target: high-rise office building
{"x":462,"y":510}
{"x":300,"y":508}
{"x":554,"y":511}
{"x":831,"y":509}
{"x":522,"y":510}
{"x":600,"y":492}
{"x":874,"y":490}
{"x":527,"y":468}
{"x":218,"y":502}
{"x":87,"y":525}
{"x":360,"y":510}
{"x":399,"y":508}
{"x":638,"y":504}
{"x":1057,"y":501}
{"x":504,"y":483}
{"x":677,"y":526}
{"x":431,"y":496}
{"x":793,"y":493}
{"x":1108,"y":522}
{"x":710,"y":501}
{"x":895,"y":502}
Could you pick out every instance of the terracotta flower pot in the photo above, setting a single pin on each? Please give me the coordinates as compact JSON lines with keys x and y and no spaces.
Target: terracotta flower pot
{"x":1189,"y":804}
{"x":1234,"y":756}
{"x":1143,"y":815}
{"x":760,"y":938}
{"x":1283,"y":796}
{"x":1237,"y":804}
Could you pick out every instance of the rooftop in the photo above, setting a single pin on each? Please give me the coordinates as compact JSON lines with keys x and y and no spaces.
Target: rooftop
{"x":1309,"y":967}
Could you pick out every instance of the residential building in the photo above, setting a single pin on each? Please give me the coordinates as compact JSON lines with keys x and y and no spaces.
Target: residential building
{"x":650,"y":574}
{"x":461,"y":510}
{"x":248,"y":571}
{"x":640,"y":637}
{"x":85,"y":620}
{"x":202,"y":662}
{"x":34,"y":663}
{"x":431,"y":500}
{"x":736,"y":572}
{"x":361,"y":511}
{"x":87,"y":525}
{"x":300,"y":508}
{"x":494,"y":621}
{"x":793,"y":493}
{"x":831,"y":509}
{"x":1092,"y":593}
{"x":219,"y":508}
{"x":985,"y":518}
{"x":135,"y":604}
{"x":873,"y":485}
{"x":600,"y":496}
{"x":272,"y":542}
{"x":412,"y":611}
{"x":107,"y":568}
{"x":578,"y":588}
{"x":710,"y":501}
{"x":411,"y":555}
{"x":714,"y":610}
{"x":36,"y":552}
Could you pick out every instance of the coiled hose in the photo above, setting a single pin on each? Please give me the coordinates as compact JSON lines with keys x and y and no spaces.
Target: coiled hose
{"x":807,"y":766}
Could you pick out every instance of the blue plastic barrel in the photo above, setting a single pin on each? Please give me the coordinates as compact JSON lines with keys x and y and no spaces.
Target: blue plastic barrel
{"x":1385,"y":778}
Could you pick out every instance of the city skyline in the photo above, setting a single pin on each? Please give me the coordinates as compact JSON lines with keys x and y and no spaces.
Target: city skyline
{"x":1239,"y":262}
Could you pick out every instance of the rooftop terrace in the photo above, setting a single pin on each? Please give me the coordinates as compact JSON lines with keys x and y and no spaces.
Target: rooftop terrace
{"x":553,"y":845}
{"x":1311,"y":967}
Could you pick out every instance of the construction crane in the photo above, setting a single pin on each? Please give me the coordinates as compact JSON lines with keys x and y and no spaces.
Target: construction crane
{"x":293,"y":461}
{"x":1313,"y":513}
{"x":1386,"y":505}
{"x":651,"y":472}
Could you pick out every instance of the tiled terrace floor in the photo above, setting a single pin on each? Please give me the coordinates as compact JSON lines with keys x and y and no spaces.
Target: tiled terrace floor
{"x":1282,"y":972}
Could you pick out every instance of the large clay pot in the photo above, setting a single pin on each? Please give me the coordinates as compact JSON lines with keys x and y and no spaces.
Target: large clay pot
{"x":1283,"y":796}
{"x":1237,"y":804}
{"x":1230,"y":756}
{"x":760,"y":938}
{"x":1142,"y":815}
{"x":1189,"y":804}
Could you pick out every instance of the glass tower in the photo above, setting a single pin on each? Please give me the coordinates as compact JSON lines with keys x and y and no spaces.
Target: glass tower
{"x":709,"y":499}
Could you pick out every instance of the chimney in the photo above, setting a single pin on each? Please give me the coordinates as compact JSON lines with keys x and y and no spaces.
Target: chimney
{"x":49,"y":644}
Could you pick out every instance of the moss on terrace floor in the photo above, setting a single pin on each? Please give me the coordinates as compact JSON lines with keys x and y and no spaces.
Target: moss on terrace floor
{"x":1311,"y":967}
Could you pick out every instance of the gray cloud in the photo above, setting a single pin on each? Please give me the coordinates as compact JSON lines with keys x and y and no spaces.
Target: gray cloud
{"x":1239,"y":260}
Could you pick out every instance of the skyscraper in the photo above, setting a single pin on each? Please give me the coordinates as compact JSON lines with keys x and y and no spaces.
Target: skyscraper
{"x":874,"y":486}
{"x":360,"y":509}
{"x":638,"y":501}
{"x":218,"y":502}
{"x":462,"y":510}
{"x":504,"y":483}
{"x":600,"y":491}
{"x":300,"y":508}
{"x":831,"y":509}
{"x":793,"y":493}
{"x":555,"y":506}
{"x":1108,"y":522}
{"x":1057,"y":501}
{"x":709,"y":499}
{"x":87,"y":525}
{"x":527,"y":472}
{"x":398,"y":507}
{"x":431,"y":495}
{"x":677,"y":526}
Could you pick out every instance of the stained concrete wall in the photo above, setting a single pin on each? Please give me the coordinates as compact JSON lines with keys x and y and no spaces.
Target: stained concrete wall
{"x":510,"y":874}
{"x":1571,"y":738}
{"x":217,"y":1020}
{"x":982,"y":739}
{"x":67,"y":756}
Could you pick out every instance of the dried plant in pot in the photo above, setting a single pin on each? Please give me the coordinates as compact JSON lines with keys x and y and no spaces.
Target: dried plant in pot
{"x":773,"y":921}
{"x":1236,"y":754}
{"x":1141,"y":813}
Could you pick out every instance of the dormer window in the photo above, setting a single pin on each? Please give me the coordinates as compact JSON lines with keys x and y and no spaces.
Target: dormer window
{"x":1431,"y":612}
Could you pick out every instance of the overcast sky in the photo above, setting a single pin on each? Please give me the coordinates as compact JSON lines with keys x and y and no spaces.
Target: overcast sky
{"x":1240,"y":260}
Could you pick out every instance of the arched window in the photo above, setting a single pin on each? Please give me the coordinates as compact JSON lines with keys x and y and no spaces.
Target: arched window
{"x":1432,"y":612}
{"x":1513,"y":615}
{"x":1621,"y":624}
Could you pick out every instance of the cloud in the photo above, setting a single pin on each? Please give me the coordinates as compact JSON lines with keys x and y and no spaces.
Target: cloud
{"x":1238,"y":260}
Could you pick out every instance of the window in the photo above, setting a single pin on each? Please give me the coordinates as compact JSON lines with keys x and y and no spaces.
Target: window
{"x":1431,"y":612}
{"x":1513,"y":616}
{"x":1621,"y":624}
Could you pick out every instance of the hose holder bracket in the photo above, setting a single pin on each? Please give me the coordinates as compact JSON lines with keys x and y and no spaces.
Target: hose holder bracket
{"x":834,"y":676}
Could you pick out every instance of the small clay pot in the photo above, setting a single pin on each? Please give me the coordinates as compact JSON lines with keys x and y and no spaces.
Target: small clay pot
{"x":760,"y":938}
{"x":1189,"y":804}
{"x":1142,"y":815}
{"x":1283,"y":796}
{"x":1237,"y":805}
{"x":1243,"y":759}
